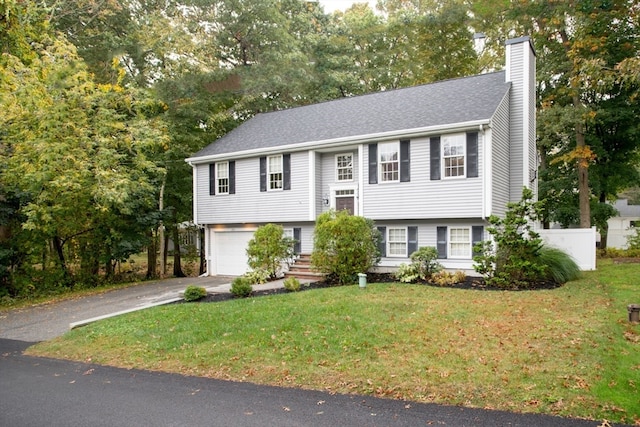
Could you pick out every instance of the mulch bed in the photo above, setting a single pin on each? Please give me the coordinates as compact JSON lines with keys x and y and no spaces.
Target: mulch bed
{"x":470,"y":283}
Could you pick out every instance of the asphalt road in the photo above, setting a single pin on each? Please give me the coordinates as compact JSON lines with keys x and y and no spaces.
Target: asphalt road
{"x":48,"y":392}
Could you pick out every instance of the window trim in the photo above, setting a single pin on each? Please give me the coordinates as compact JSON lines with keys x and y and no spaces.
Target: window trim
{"x":338,"y":168}
{"x":443,"y":157}
{"x":218,"y":178}
{"x":270,"y":173}
{"x":380,"y":151}
{"x":450,"y":241}
{"x":405,"y":242}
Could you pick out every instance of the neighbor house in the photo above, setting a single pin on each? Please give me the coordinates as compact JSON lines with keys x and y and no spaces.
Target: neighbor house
{"x":624,"y":225}
{"x":429,"y":164}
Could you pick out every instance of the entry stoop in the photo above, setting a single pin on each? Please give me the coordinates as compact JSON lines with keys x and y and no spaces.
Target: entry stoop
{"x":301,"y":269}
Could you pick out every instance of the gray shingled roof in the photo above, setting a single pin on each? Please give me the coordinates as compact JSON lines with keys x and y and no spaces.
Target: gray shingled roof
{"x":441,"y":103}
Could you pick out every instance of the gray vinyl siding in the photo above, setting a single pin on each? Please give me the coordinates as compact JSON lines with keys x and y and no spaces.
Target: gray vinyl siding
{"x":423,"y":198}
{"x":517,"y":100}
{"x":533,"y":155}
{"x":500,"y":159}
{"x":328,"y":168}
{"x":249,"y":203}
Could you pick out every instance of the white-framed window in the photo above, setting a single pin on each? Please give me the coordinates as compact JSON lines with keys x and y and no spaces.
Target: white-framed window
{"x":274,"y":172}
{"x":460,"y":242}
{"x":397,"y":242}
{"x":453,"y":155}
{"x":389,"y":161}
{"x":222,"y":178}
{"x":344,"y":167}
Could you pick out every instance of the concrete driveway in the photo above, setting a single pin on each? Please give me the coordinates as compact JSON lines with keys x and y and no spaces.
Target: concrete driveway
{"x":47,"y":321}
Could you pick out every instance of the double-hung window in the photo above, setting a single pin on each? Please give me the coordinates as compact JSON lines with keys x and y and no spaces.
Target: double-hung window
{"x":222,"y":177}
{"x":453,"y":154}
{"x":344,"y":167}
{"x":274,"y":172}
{"x":397,"y":242}
{"x":460,"y":242}
{"x":389,"y":161}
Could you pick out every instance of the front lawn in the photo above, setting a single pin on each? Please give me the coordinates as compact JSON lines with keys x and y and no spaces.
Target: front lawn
{"x":568,"y":351}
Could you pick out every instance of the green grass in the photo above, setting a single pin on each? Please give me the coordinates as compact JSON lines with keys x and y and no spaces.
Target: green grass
{"x":568,"y":351}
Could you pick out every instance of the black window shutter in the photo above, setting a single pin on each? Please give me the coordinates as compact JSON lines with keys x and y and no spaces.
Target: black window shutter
{"x":382,"y":243}
{"x":442,"y":242}
{"x":435,"y":157}
{"x":286,"y":172}
{"x":373,"y":163}
{"x":263,"y":174}
{"x":232,"y":177}
{"x":412,"y":242}
{"x":297,"y":245}
{"x":472,"y":155}
{"x":212,"y":179}
{"x":477,"y":232}
{"x":405,"y":162}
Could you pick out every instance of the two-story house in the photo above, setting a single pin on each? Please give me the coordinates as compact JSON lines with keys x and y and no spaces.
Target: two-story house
{"x":428,"y":164}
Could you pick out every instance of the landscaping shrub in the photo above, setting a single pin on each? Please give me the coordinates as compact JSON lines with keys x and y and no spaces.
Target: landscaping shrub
{"x":446,"y":278}
{"x":344,"y":245}
{"x":194,"y":293}
{"x":241,"y":287}
{"x":292,"y":284}
{"x":407,"y":273}
{"x":518,"y":258}
{"x":268,"y":250}
{"x":257,"y":276}
{"x":423,"y":265}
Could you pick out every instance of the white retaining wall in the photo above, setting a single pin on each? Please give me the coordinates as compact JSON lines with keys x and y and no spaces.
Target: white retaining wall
{"x":580,"y":243}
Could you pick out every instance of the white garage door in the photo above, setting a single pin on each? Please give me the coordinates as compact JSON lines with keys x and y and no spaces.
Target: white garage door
{"x":229,"y":252}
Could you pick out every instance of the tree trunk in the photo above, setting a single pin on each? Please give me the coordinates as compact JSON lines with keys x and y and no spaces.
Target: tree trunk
{"x":177,"y":259}
{"x":163,"y":256}
{"x":584,"y":192}
{"x":62,"y":263}
{"x":603,"y":225}
{"x":151,"y":257}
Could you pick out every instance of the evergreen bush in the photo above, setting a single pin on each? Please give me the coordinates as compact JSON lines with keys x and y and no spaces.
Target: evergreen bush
{"x":241,"y":287}
{"x":344,"y":245}
{"x":194,"y":293}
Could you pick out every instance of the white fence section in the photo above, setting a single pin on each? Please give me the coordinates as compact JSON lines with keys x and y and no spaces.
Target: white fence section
{"x":580,"y":243}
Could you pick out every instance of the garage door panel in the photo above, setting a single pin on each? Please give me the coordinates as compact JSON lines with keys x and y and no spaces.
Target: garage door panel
{"x":230,"y":252}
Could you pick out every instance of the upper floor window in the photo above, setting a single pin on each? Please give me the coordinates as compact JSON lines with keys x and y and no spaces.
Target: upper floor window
{"x":344,"y":167}
{"x":222,"y":177}
{"x":389,"y":161}
{"x":274,"y":172}
{"x":453,"y":155}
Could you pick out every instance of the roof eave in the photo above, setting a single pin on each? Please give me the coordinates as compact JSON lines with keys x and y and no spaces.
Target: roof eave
{"x":338,"y":142}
